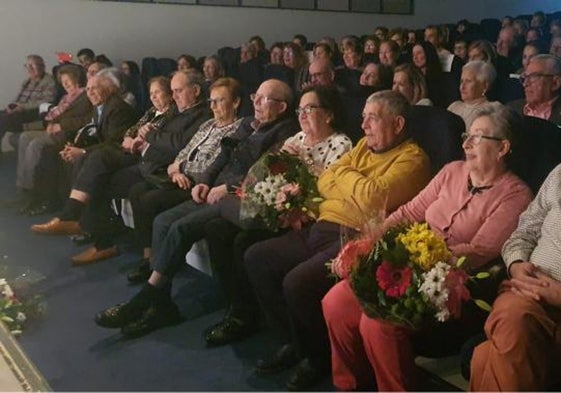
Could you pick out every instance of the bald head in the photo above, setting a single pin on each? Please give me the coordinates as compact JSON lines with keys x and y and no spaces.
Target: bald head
{"x":272,"y":100}
{"x":322,"y":72}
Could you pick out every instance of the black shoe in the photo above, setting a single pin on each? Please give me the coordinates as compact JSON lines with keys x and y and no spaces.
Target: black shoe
{"x":283,"y":359}
{"x":156,"y":317}
{"x":141,"y":273}
{"x":82,"y":239}
{"x":305,"y":377}
{"x":41,"y":209}
{"x":228,"y":330}
{"x":117,"y":316}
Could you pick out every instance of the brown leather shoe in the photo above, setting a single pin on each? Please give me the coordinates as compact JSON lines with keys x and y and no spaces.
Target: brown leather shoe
{"x":92,"y":255}
{"x":57,"y":227}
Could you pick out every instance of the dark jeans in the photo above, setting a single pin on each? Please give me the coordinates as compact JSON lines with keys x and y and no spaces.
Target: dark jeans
{"x":147,"y":201}
{"x":290,"y":278}
{"x":174,"y":233}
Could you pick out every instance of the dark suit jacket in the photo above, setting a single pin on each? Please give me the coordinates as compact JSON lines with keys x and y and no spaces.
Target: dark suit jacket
{"x":240,"y":150}
{"x":555,"y":117}
{"x":77,"y":115}
{"x":167,"y":142}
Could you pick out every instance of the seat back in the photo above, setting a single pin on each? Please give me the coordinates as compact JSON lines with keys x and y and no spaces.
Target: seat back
{"x":490,"y":28}
{"x":438,"y":132}
{"x":166,"y":66}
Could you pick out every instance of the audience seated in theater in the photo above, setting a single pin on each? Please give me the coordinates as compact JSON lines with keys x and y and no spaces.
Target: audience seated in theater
{"x":321,"y":72}
{"x":389,"y":53}
{"x":530,"y":50}
{"x":426,"y":60}
{"x":533,"y":35}
{"x":72,"y":112}
{"x":288,"y":273}
{"x":520,"y":26}
{"x":276,"y":53}
{"x":124,"y":92}
{"x":336,"y":57}
{"x":477,"y":78}
{"x":295,"y":59}
{"x":322,"y":51}
{"x":111,"y":118}
{"x":85,"y":56}
{"x":247,"y":52}
{"x":146,"y":150}
{"x":377,"y":76}
{"x":212,"y":70}
{"x":348,"y":76}
{"x":484,"y":50}
{"x":523,"y":347}
{"x":555,"y":28}
{"x":103,"y":60}
{"x":175,"y":230}
{"x":382,"y":33}
{"x":474,"y":205}
{"x":319,"y":145}
{"x":541,"y":82}
{"x":506,"y":21}
{"x":37,"y":88}
{"x":460,"y":49}
{"x":150,"y":198}
{"x":410,"y":82}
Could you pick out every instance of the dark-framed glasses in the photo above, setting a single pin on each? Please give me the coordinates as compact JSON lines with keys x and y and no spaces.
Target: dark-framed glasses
{"x":476,"y":139}
{"x":216,"y":101}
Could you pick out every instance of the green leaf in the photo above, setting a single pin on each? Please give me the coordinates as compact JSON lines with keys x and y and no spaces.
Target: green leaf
{"x":482,"y":304}
{"x":482,"y":275}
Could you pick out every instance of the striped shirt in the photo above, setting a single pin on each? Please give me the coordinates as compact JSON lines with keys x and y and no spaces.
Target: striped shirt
{"x":538,"y":236}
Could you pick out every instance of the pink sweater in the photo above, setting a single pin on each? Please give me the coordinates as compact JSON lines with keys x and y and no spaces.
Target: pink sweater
{"x":473,"y":224}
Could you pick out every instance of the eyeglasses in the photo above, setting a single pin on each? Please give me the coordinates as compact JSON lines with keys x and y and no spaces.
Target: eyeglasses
{"x":31,"y":65}
{"x":265,"y":99}
{"x":475,"y":139}
{"x":307,"y":109}
{"x":531,"y":78}
{"x":216,"y":101}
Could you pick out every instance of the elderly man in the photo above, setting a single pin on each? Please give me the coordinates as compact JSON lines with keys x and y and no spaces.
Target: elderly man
{"x":541,"y":82}
{"x":523,"y":347}
{"x":177,"y":229}
{"x":288,"y":273}
{"x":165,"y":138}
{"x":39,"y":87}
{"x":321,"y":72}
{"x":507,"y":46}
{"x":111,"y":118}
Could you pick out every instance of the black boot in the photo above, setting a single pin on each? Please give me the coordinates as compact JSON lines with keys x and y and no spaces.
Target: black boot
{"x":141,"y":273}
{"x":125,"y":313}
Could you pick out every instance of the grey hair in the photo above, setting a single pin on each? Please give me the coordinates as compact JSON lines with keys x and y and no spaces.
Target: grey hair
{"x":112,"y":74}
{"x":36,"y":59}
{"x":503,"y":119}
{"x":394,"y":102}
{"x":484,"y":72}
{"x":552,"y":61}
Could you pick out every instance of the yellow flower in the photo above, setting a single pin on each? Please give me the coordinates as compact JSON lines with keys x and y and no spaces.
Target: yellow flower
{"x":424,"y":245}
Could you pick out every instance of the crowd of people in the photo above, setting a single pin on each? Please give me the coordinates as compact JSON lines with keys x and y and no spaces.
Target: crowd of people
{"x":343,"y":108}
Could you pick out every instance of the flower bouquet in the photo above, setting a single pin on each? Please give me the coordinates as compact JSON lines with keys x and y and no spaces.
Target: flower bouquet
{"x":407,"y":277}
{"x":278,"y":192}
{"x":13,"y":312}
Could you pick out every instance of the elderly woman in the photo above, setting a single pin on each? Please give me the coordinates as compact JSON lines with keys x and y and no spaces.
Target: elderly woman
{"x":477,"y":78}
{"x":148,"y":199}
{"x":39,"y":87}
{"x":474,"y":205}
{"x":410,"y":82}
{"x":319,"y":145}
{"x":73,"y":111}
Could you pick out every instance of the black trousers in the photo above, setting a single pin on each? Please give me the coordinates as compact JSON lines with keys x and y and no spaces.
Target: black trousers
{"x":14,"y":121}
{"x":290,"y":278}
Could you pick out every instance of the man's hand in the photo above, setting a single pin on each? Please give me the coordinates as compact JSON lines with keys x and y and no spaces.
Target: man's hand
{"x":71,"y":153}
{"x":199,"y":193}
{"x":541,"y":288}
{"x":216,"y":194}
{"x":522,"y":269}
{"x":181,"y":180}
{"x":138,"y":144}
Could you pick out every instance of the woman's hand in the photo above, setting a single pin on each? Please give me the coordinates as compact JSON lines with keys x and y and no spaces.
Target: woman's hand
{"x":173,"y":168}
{"x":71,"y":153}
{"x":181,"y":180}
{"x":290,"y":149}
{"x":145,"y":129}
{"x":199,"y":193}
{"x":127,"y":143}
{"x":138,"y":144}
{"x":216,"y":194}
{"x":522,"y":270}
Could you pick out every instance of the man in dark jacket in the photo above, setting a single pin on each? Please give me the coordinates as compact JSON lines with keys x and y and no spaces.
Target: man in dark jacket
{"x":177,"y":229}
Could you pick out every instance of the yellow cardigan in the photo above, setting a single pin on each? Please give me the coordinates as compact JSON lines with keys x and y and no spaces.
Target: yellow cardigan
{"x":350,"y":185}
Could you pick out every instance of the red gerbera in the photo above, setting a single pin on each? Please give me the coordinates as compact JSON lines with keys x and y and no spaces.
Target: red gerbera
{"x":393,"y":281}
{"x":278,"y":167}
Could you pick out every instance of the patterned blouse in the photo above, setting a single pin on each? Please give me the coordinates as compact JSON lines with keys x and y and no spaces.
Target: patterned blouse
{"x":204,"y":147}
{"x":152,"y":116}
{"x":63,"y":104}
{"x":321,"y":155}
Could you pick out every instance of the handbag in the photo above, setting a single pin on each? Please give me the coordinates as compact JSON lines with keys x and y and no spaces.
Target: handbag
{"x":87,"y":136}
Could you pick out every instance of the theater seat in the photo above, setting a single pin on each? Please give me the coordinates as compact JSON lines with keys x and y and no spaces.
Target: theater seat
{"x":439,"y":132}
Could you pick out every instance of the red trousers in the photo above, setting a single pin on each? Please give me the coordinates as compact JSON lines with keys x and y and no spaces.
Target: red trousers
{"x":523,"y":347}
{"x":362,"y":346}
